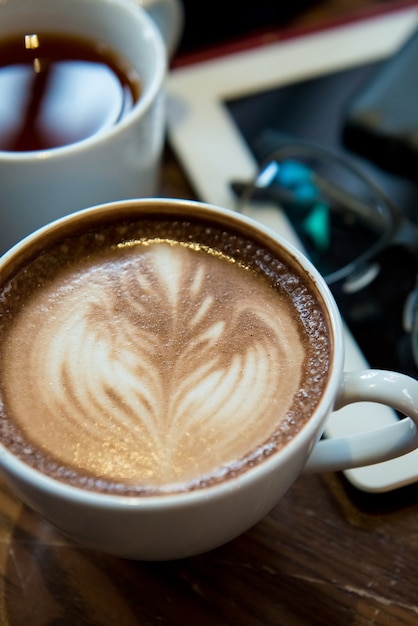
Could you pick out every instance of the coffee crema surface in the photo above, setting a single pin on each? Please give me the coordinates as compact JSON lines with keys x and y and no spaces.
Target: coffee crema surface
{"x":157,"y":356}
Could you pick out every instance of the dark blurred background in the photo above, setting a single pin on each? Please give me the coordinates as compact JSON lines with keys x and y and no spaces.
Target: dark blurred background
{"x":217,"y":21}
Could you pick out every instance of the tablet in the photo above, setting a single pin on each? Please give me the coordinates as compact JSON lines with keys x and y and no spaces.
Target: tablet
{"x":218,"y":106}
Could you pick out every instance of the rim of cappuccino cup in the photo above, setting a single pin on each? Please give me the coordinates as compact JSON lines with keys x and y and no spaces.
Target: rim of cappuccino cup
{"x":151,"y":37}
{"x":310,"y":431}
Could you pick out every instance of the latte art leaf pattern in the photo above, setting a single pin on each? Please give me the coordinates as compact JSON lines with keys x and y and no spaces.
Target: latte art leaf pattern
{"x":154,"y":366}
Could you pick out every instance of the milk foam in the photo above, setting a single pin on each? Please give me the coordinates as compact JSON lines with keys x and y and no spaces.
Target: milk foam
{"x":154,"y":365}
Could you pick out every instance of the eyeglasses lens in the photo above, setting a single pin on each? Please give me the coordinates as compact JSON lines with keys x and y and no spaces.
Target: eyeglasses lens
{"x":345,"y":225}
{"x":333,"y":209}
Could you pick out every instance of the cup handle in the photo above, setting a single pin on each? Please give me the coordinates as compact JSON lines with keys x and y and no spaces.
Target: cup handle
{"x":392,"y":389}
{"x":168,"y":16}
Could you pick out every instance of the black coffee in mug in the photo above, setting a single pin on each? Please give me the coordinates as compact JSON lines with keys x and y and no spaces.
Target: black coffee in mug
{"x":58,"y":90}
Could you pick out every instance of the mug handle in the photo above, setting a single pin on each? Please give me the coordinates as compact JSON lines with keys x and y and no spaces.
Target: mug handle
{"x":392,"y":389}
{"x":168,"y":16}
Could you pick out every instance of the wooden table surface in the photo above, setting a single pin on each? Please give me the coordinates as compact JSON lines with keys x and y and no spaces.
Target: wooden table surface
{"x":327,"y":555}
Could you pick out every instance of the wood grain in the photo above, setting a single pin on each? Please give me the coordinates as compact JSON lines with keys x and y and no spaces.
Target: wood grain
{"x":325,"y":555}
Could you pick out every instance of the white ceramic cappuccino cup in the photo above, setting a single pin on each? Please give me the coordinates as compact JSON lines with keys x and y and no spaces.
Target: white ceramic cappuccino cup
{"x":174,"y":525}
{"x":121,"y":161}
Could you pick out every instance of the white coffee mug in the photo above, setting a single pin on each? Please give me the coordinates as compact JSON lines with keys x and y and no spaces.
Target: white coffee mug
{"x":174,"y":525}
{"x":118,"y":162}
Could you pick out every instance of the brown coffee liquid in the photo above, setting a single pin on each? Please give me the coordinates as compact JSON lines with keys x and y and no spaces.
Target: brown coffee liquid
{"x":157,"y":355}
{"x":57,"y":91}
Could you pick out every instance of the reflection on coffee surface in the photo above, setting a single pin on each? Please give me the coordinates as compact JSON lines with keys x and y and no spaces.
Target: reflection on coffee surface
{"x":57,"y":90}
{"x":157,"y":356}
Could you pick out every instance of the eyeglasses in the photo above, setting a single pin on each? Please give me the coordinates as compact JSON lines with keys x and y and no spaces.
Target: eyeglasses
{"x":345,"y":223}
